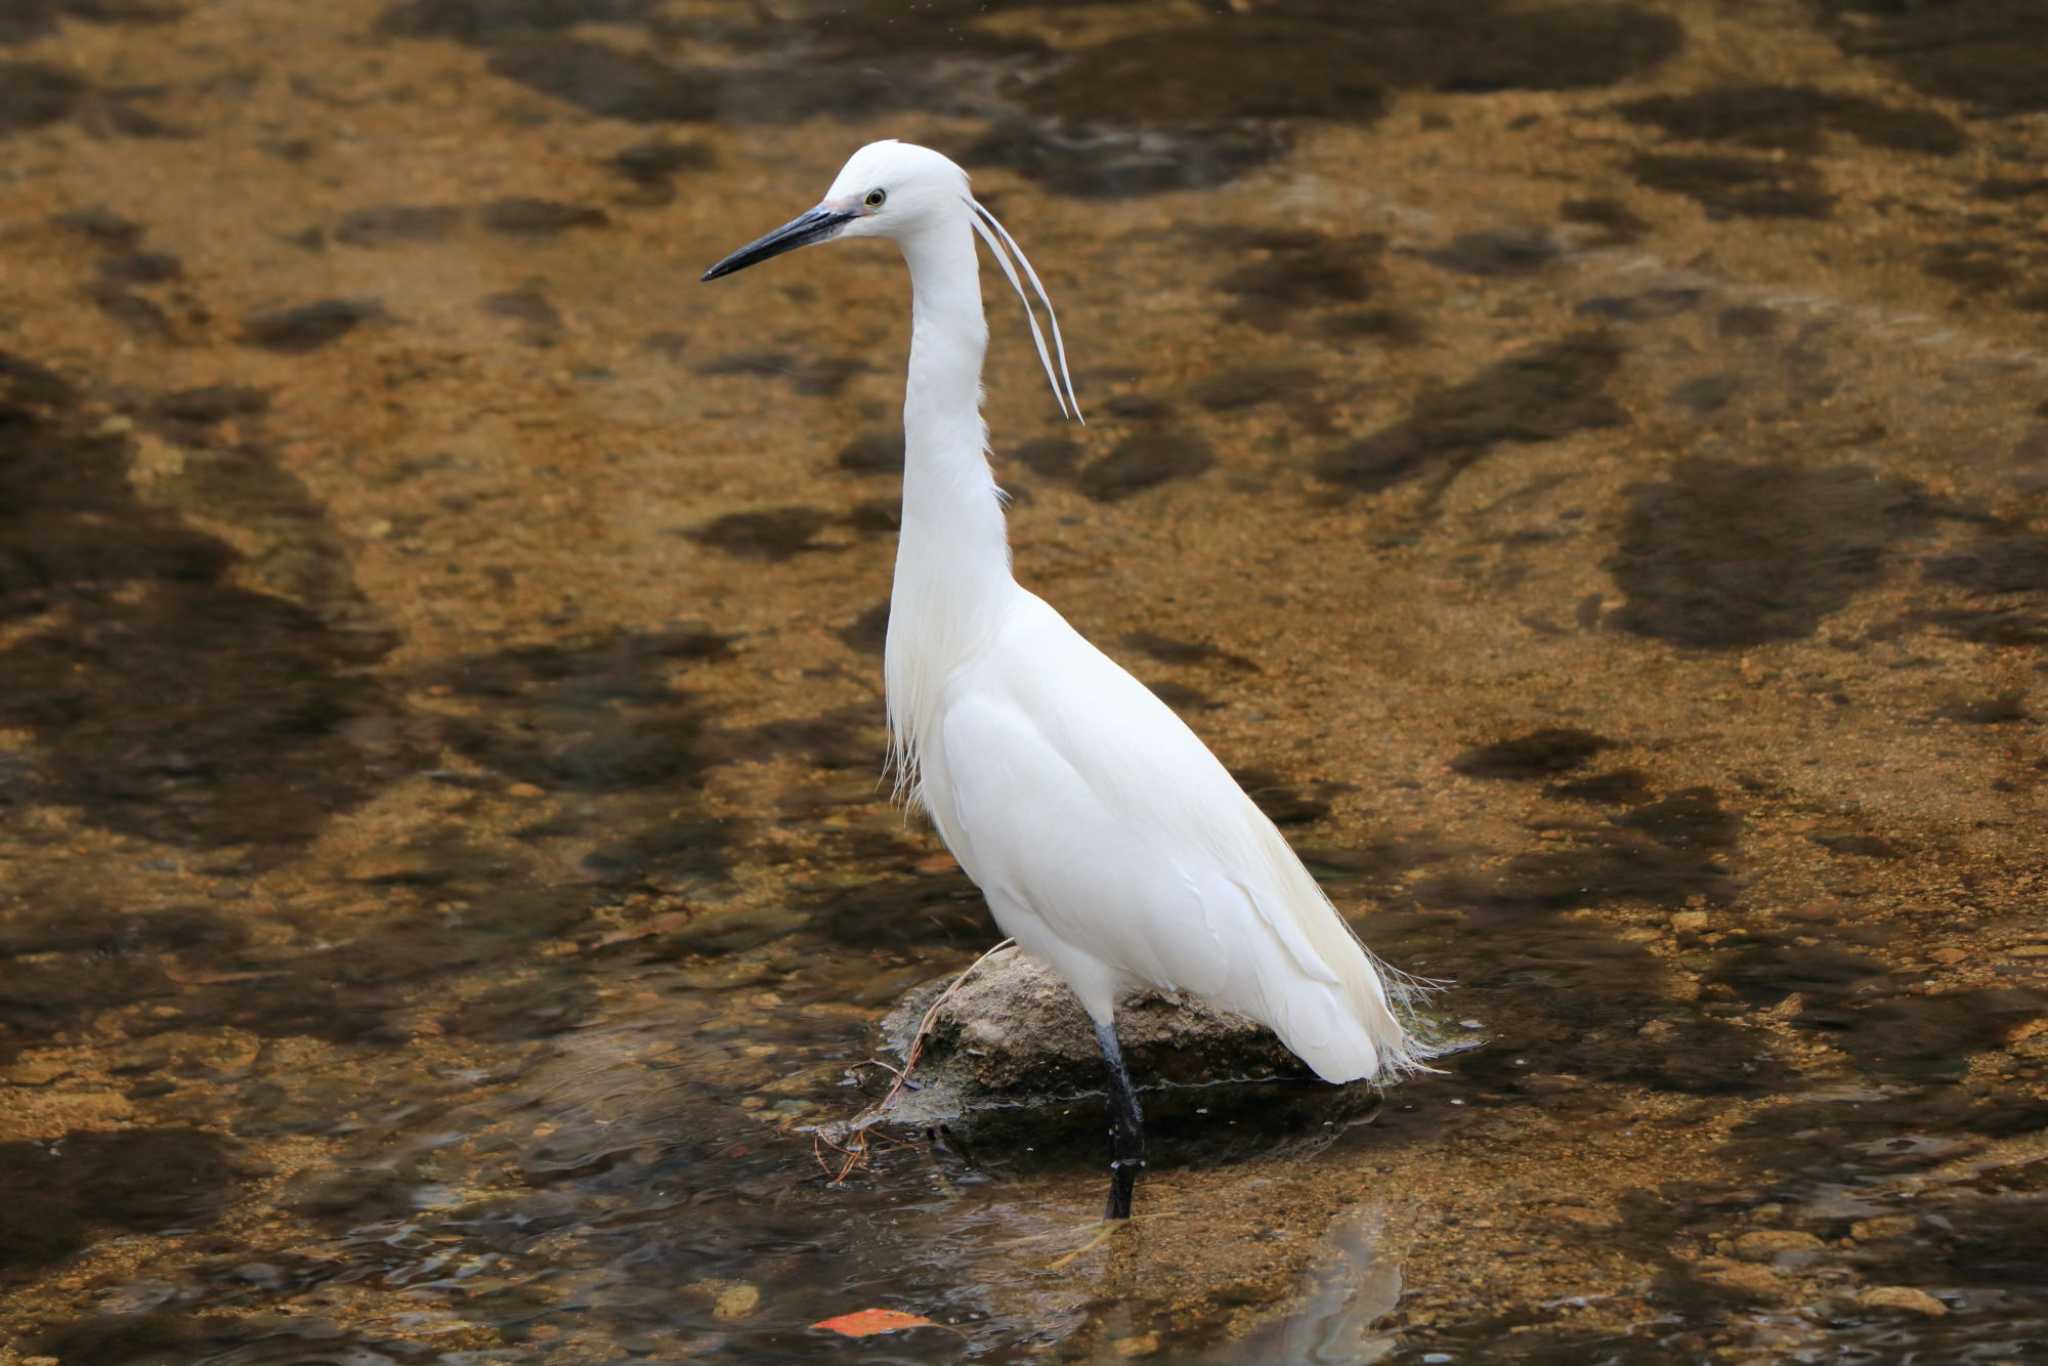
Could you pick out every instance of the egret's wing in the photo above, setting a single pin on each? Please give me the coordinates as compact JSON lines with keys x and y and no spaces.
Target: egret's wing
{"x":1079,"y":794}
{"x":1033,"y":831}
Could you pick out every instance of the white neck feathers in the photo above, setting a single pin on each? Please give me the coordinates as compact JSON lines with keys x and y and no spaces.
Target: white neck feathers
{"x":953,"y":553}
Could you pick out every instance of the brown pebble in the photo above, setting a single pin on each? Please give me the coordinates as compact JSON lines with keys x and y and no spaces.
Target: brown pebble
{"x":1884,"y":1226}
{"x":1765,"y":1244}
{"x":736,"y":1302}
{"x":1902,"y":1297}
{"x":1756,"y":1281}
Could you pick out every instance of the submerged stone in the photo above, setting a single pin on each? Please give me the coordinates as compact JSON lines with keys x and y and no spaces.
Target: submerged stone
{"x":1013,"y":1031}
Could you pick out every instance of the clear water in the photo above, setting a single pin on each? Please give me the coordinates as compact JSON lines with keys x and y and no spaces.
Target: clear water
{"x":1582,"y":465}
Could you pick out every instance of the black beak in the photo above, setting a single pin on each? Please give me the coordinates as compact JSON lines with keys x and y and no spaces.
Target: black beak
{"x":818,"y":225}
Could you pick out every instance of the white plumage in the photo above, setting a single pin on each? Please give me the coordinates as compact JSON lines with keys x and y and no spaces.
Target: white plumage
{"x":1107,"y":838}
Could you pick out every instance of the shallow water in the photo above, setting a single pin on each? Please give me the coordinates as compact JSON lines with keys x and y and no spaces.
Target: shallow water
{"x":1582,"y":465}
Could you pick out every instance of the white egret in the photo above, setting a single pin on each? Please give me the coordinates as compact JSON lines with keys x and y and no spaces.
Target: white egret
{"x":1106,"y":837}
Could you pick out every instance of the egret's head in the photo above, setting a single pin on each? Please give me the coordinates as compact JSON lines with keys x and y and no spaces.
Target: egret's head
{"x":901,"y":191}
{"x":886,"y":189}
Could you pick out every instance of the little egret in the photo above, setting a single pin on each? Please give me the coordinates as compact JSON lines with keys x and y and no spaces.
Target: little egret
{"x":1107,"y":839}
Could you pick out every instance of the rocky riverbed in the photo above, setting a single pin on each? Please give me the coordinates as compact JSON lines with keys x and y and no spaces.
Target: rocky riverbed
{"x":1584,"y":466}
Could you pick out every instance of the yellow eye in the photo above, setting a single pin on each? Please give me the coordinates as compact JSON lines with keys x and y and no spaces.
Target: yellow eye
{"x":876,"y":198}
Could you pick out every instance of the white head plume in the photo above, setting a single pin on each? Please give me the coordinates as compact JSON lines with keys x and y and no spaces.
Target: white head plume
{"x":983,"y":220}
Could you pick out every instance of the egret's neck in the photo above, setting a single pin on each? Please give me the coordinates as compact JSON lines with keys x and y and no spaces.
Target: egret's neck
{"x":954,"y":549}
{"x":953,"y":553}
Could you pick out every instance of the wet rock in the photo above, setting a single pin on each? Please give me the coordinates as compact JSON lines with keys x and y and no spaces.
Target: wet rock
{"x":1282,"y":802}
{"x":656,"y":160}
{"x":1883,"y":1227}
{"x":1168,"y":650}
{"x":233,"y":672}
{"x":1985,"y":53}
{"x":524,"y":305}
{"x":722,"y":934}
{"x":1144,"y":461}
{"x":103,"y":226}
{"x":769,"y":534}
{"x":1996,"y":564}
{"x":812,"y":376}
{"x":358,"y":1194}
{"x":1538,"y":754}
{"x":1666,"y":859}
{"x":1622,"y":787}
{"x":1689,"y":819}
{"x":1707,"y":394}
{"x":1975,"y":266}
{"x":665,"y":343}
{"x":1011,"y":1068}
{"x":481,"y":21}
{"x":1920,"y":1037}
{"x":1091,"y":161}
{"x":526,"y":217}
{"x":1299,"y":275}
{"x":872,"y":453}
{"x":1618,"y":225}
{"x":141,"y":268}
{"x":2002,"y":189}
{"x":1748,"y":187}
{"x":140,"y":315}
{"x":1014,"y":1032}
{"x":1769,"y":1244}
{"x":142,"y":1180}
{"x":1988,"y":711}
{"x":1792,"y":118}
{"x":1055,"y":457}
{"x":394,"y":224}
{"x":307,"y":327}
{"x":1388,"y":325}
{"x":134,"y":1339}
{"x":1645,"y":307}
{"x":210,"y":404}
{"x":1858,"y":844}
{"x":1507,"y":252}
{"x":34,"y":95}
{"x":1538,"y":394}
{"x":1726,"y":554}
{"x":1253,"y":385}
{"x":1183,"y":698}
{"x":518,"y":1011}
{"x":1137,"y":407}
{"x":1747,"y":320}
{"x":608,"y":83}
{"x":1743,"y":1280}
{"x":1903,"y":1299}
{"x":1197,"y":76}
{"x":867,"y":632}
{"x":736,"y":1302}
{"x":1265,"y":66}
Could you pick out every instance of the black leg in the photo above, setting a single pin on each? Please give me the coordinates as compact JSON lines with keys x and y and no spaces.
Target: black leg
{"x":1126,"y":1126}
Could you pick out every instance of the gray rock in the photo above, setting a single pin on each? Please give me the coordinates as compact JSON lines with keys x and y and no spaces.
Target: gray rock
{"x":1014,"y":1030}
{"x":1013,"y":1037}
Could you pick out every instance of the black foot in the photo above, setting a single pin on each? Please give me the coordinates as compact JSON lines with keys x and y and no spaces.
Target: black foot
{"x":1123,"y":1179}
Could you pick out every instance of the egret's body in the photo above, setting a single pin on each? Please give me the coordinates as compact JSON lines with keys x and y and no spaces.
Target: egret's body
{"x":1107,"y":838}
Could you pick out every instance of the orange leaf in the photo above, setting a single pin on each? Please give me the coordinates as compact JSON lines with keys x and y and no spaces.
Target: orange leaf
{"x":867,"y":1322}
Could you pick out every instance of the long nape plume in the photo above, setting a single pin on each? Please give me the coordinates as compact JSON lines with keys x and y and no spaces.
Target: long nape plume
{"x":983,"y":220}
